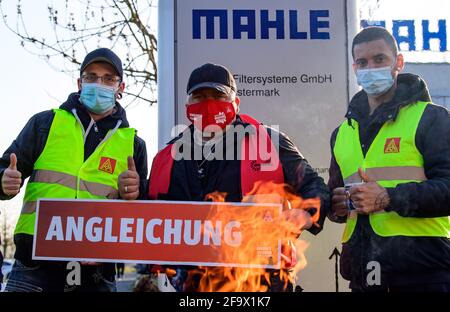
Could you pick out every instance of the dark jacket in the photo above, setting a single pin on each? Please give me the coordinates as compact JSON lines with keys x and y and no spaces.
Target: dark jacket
{"x":403,"y":260}
{"x":31,"y":141}
{"x":225,"y":176}
{"x":1,"y":263}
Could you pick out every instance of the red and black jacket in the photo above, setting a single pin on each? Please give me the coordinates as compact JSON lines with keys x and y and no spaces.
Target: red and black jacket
{"x":179,"y":179}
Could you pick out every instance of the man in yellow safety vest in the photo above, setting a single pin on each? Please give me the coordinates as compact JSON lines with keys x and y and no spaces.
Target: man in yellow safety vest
{"x":79,"y":150}
{"x":390,"y":176}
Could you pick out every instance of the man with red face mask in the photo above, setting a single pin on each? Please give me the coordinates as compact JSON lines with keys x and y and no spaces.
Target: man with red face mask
{"x":213,"y":109}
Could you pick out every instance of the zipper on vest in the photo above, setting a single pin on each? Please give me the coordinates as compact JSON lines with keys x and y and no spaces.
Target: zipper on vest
{"x":111,"y":132}
{"x":91,"y":123}
{"x":85,"y":132}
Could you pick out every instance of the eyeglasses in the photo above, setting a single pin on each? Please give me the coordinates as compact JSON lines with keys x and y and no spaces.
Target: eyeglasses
{"x":201,"y":96}
{"x":106,"y":79}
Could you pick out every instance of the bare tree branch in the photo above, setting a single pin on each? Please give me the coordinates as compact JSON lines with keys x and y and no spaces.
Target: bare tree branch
{"x":77,"y":27}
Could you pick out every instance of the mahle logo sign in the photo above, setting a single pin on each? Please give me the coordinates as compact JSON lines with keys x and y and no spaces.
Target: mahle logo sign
{"x":284,"y":22}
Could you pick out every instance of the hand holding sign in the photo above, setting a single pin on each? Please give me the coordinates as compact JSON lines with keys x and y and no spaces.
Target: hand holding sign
{"x":129,"y":181}
{"x":12,"y":178}
{"x":297,"y":220}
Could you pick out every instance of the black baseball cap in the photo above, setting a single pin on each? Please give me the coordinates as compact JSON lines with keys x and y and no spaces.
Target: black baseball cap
{"x":103,"y":55}
{"x":211,"y":76}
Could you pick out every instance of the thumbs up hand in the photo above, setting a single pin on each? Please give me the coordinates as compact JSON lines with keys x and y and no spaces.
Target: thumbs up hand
{"x":364,"y":177}
{"x":369,"y":197}
{"x":12,"y":178}
{"x":131,"y":165}
{"x":129,"y":181}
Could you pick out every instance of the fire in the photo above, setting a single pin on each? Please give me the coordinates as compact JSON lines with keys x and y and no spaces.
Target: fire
{"x":270,"y":230}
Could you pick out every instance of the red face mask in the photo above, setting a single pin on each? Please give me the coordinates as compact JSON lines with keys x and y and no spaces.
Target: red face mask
{"x":211,"y":112}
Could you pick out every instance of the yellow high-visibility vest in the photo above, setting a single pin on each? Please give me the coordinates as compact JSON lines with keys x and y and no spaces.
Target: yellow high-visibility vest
{"x":61,"y":172}
{"x":392,"y":159}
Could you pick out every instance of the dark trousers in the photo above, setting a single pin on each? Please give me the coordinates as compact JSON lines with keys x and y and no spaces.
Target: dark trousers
{"x":440,"y":287}
{"x":1,"y":264}
{"x":120,"y":267}
{"x":419,"y":288}
{"x":52,"y":277}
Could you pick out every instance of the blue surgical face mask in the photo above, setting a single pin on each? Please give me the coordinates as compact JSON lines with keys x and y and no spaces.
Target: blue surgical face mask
{"x":375,"y":81}
{"x":97,"y":98}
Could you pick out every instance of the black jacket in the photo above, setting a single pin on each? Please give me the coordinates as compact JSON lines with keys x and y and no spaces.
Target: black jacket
{"x":403,"y":260}
{"x":1,"y":263}
{"x":31,"y":141}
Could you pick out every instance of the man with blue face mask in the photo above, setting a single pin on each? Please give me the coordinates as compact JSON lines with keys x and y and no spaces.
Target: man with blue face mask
{"x":390,"y":176}
{"x":80,"y":150}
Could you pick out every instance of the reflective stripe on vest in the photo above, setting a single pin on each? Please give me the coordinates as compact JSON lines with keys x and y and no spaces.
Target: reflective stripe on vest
{"x":61,"y":172}
{"x":392,"y":159}
{"x":405,"y":173}
{"x":251,"y":172}
{"x":70,"y":181}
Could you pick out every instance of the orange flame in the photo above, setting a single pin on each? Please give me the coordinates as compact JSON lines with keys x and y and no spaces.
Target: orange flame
{"x":284,"y":228}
